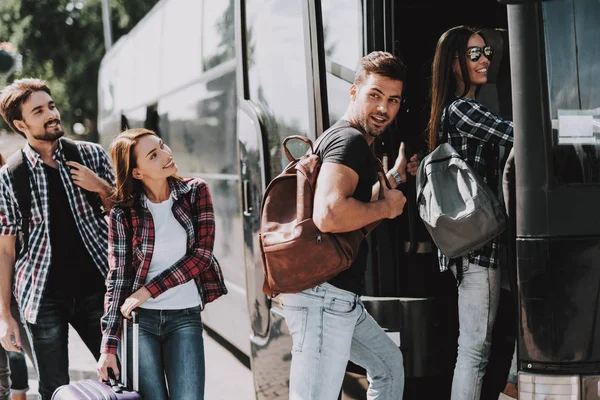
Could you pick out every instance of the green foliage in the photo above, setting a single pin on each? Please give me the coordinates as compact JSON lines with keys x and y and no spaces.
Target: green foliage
{"x":62,"y":41}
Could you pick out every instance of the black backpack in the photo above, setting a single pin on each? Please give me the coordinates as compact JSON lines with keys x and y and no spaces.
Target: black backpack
{"x":17,"y":168}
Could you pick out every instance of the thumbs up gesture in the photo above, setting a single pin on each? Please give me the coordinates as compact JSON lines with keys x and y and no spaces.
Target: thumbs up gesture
{"x":403,"y":165}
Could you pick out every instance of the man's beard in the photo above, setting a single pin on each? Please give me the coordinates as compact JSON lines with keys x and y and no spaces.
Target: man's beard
{"x":50,"y":135}
{"x":370,"y":130}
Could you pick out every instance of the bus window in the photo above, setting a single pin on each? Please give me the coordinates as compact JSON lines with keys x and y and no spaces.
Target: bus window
{"x":152,"y":119}
{"x":277,"y":74}
{"x":573,"y":63}
{"x":198,"y":123}
{"x":342,"y":29}
{"x":218,"y":35}
{"x":135,"y":118}
{"x":180,"y":60}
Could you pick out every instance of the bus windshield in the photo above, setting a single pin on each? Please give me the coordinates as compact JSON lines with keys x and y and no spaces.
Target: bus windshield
{"x":573,"y":64}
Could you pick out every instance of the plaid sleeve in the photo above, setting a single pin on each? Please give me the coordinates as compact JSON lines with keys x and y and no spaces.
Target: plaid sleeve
{"x":99,"y":160}
{"x":199,"y":258}
{"x":118,"y":282}
{"x":9,"y":217}
{"x":475,"y":121}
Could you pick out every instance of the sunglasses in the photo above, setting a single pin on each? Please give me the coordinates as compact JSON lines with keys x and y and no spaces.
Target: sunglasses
{"x":475,"y":53}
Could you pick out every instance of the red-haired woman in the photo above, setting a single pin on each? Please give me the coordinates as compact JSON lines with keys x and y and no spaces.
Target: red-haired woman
{"x":161,"y":236}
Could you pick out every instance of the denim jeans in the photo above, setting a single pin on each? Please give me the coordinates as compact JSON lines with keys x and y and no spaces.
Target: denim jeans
{"x":171,"y":354}
{"x":513,"y":373}
{"x":330,"y":326}
{"x":49,"y":337}
{"x":478,"y":298}
{"x":13,"y":369}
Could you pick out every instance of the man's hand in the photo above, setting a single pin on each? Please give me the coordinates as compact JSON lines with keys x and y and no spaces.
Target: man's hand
{"x":394,"y":199}
{"x":105,"y":362}
{"x":402,"y":165}
{"x":85,"y":178}
{"x":134,"y":301}
{"x":10,"y":337}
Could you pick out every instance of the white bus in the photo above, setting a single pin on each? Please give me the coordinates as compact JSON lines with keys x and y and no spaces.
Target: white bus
{"x":225,"y":81}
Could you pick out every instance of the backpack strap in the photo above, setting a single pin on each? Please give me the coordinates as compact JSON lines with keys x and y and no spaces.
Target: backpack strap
{"x":458,"y":261}
{"x":17,"y":168}
{"x":72,"y":154}
{"x":374,"y":160}
{"x":445,"y":126}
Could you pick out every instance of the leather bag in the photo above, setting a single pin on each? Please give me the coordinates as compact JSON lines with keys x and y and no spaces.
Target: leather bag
{"x":295,"y":254}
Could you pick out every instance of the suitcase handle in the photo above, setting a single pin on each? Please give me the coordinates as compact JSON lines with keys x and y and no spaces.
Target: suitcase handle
{"x":136,"y":350}
{"x":114,"y":382}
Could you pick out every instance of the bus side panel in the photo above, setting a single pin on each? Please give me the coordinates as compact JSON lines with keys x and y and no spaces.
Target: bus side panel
{"x":559,"y":287}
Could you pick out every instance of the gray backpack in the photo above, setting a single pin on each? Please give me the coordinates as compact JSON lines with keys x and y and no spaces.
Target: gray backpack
{"x":460,"y":212}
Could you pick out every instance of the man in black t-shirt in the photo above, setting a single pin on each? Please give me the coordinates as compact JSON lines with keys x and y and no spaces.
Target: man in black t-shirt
{"x":328,"y":323}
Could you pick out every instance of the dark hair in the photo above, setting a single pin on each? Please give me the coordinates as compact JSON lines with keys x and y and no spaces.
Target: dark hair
{"x":380,"y":63}
{"x":14,"y":95}
{"x":451,"y":44}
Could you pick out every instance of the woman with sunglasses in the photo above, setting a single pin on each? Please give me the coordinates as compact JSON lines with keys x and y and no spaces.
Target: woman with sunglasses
{"x":460,"y":66}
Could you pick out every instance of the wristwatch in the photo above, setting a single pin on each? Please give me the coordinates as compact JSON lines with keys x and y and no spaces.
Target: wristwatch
{"x":396,"y":176}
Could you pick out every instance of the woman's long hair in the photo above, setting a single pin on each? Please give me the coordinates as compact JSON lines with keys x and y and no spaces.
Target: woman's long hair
{"x":453,"y":43}
{"x":124,"y":162}
{"x":2,"y":162}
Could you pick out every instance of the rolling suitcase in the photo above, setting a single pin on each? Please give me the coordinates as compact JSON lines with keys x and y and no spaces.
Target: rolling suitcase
{"x":91,"y":389}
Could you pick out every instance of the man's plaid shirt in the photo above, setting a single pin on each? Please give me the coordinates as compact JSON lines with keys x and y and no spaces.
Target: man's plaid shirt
{"x":32,"y":268}
{"x":473,"y":132}
{"x":130,"y":247}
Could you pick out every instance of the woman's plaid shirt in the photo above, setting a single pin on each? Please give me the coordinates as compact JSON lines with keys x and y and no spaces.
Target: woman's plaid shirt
{"x":130,"y":247}
{"x":472,"y":130}
{"x":32,"y":268}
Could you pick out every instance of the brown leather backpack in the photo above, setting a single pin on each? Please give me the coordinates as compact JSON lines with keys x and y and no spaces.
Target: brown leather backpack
{"x":295,"y":254}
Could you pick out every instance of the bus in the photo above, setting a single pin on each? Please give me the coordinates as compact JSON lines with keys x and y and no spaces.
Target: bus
{"x":225,"y":82}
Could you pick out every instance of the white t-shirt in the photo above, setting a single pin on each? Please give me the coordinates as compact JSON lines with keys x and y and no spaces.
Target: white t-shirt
{"x":170,"y":245}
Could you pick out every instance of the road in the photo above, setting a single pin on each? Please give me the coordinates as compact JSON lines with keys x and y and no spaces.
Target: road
{"x":226,"y":377}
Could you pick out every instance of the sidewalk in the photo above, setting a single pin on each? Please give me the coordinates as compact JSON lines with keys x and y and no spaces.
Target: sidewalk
{"x":226,"y":377}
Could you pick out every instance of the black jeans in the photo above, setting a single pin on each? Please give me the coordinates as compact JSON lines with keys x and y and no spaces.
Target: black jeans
{"x":12,"y":364}
{"x":49,"y":337}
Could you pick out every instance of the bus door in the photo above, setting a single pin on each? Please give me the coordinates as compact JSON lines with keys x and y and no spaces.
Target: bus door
{"x":276,"y":98}
{"x":555,"y":62}
{"x":405,"y":291}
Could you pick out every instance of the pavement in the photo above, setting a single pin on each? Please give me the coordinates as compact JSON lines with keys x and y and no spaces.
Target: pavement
{"x":227,"y":378}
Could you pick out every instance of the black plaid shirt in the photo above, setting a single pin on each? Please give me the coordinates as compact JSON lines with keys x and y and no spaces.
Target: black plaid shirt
{"x":32,"y":268}
{"x":475,"y":133}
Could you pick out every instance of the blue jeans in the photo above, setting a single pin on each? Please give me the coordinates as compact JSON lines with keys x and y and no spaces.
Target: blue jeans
{"x":478,"y":298}
{"x":49,"y":337}
{"x":330,"y":326}
{"x":171,"y":354}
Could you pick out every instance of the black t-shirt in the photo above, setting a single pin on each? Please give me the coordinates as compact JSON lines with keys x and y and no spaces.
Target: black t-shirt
{"x":73,"y":272}
{"x":348,"y":146}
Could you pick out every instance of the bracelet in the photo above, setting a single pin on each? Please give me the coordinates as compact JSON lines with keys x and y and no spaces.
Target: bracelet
{"x":396,"y":176}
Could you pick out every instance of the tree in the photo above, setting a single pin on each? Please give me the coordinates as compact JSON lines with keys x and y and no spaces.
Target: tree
{"x":62,"y":42}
